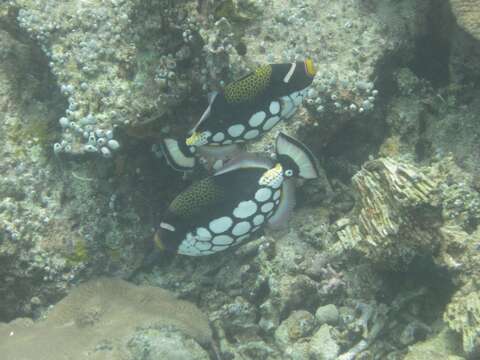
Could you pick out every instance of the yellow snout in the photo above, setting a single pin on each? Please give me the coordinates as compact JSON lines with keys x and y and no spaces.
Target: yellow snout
{"x":309,"y":67}
{"x":271,"y":175}
{"x":193,"y":139}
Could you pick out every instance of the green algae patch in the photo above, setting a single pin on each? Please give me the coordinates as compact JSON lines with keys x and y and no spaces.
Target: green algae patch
{"x":79,"y":254}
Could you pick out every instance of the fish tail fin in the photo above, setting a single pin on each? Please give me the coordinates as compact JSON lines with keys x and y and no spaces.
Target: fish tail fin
{"x":300,"y":154}
{"x":178,"y":154}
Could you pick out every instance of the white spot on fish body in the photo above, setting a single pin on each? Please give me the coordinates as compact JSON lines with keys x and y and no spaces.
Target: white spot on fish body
{"x":236,"y":130}
{"x":251,"y":134}
{"x":263,"y":194}
{"x":277,"y":194}
{"x":267,"y":207}
{"x":202,"y":246}
{"x":257,"y":118}
{"x":203,"y":234}
{"x":241,"y":228}
{"x":274,"y":107}
{"x":220,"y":225}
{"x":258,"y":219}
{"x":218,"y":137}
{"x":222,"y":240}
{"x":271,"y":122}
{"x":245,"y":209}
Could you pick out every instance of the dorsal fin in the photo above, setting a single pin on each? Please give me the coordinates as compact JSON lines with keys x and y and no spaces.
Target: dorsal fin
{"x":246,"y":160}
{"x":206,"y":113}
{"x":305,"y":160}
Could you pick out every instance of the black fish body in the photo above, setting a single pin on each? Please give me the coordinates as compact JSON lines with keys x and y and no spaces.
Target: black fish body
{"x":225,"y":209}
{"x":218,"y":212}
{"x":245,"y":110}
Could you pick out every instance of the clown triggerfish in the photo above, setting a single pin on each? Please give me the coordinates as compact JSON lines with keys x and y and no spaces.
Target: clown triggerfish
{"x":243,"y":111}
{"x":225,"y":209}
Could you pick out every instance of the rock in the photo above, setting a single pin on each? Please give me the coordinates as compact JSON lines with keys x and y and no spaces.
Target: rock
{"x":322,"y":344}
{"x":298,"y":351}
{"x":445,"y":345}
{"x":108,"y":318}
{"x":157,"y":344}
{"x":467,"y":13}
{"x":463,"y":316}
{"x":385,"y":232}
{"x":299,"y":324}
{"x":327,"y":314}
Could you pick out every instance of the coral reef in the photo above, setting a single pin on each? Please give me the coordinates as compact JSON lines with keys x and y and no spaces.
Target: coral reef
{"x":110,"y":318}
{"x":55,"y":216}
{"x":381,"y":257}
{"x":117,"y":62}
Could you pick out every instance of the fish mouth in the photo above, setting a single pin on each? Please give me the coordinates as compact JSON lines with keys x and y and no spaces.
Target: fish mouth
{"x":271,"y":174}
{"x":310,"y":67}
{"x":193,"y":139}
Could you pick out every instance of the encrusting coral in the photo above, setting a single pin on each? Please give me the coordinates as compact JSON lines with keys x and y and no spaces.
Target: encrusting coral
{"x":98,"y":317}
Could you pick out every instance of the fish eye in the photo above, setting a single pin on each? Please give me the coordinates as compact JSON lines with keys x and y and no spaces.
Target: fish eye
{"x":289,"y":172}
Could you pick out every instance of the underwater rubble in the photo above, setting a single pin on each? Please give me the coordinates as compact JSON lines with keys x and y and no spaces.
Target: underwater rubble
{"x":381,"y":258}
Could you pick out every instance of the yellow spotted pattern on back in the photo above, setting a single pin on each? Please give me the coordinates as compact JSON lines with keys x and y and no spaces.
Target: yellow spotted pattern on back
{"x":249,"y":86}
{"x":196,"y":198}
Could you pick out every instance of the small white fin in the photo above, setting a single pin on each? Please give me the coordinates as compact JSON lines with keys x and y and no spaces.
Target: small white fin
{"x":300,"y":154}
{"x":176,"y":157}
{"x":247,"y":160}
{"x":206,"y":113}
{"x":286,"y":206}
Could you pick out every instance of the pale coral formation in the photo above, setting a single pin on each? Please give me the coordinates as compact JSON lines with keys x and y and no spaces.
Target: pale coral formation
{"x":100,"y":318}
{"x":467,"y":13}
{"x":387,"y":230}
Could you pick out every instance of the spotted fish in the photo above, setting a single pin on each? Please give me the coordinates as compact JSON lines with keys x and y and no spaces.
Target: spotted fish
{"x":225,"y":209}
{"x":243,"y":111}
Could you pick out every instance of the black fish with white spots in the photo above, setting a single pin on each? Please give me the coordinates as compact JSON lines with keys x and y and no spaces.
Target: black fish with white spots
{"x":225,"y":209}
{"x":245,"y":110}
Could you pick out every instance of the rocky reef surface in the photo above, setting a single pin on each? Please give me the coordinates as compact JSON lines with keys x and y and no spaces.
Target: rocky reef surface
{"x":381,"y":258}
